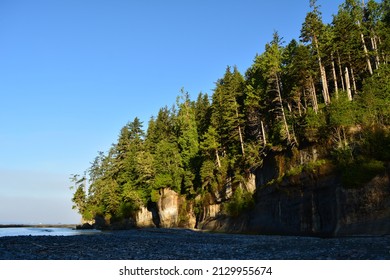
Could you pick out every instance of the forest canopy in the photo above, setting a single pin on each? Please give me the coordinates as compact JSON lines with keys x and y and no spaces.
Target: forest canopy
{"x":330,"y":87}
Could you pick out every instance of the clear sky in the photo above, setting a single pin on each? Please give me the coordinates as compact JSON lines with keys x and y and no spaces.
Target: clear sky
{"x":73,"y":72}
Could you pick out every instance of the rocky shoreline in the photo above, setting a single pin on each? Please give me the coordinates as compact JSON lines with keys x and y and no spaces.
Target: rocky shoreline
{"x":178,"y":244}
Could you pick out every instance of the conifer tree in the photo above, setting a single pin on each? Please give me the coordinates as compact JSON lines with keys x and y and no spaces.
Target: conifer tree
{"x":187,"y":140}
{"x":227,"y":117}
{"x":272,"y":69}
{"x":311,"y":31}
{"x":202,"y":113}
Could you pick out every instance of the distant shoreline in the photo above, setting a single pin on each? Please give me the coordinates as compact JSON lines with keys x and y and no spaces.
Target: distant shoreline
{"x":38,"y":226}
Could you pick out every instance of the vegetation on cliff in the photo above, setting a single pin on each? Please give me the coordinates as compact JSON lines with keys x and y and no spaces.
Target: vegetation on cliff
{"x":332,"y":88}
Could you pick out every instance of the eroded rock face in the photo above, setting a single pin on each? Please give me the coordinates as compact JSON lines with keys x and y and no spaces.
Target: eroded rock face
{"x":309,"y":208}
{"x":209,"y":213}
{"x":144,"y":218}
{"x":170,"y":211}
{"x":168,"y":208}
{"x":323,"y":207}
{"x":366,"y":210}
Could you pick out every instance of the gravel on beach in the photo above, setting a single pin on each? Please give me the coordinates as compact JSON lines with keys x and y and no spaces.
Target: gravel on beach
{"x":179,"y":244}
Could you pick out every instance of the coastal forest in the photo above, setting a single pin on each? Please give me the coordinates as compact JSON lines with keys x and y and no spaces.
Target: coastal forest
{"x":329,"y":88}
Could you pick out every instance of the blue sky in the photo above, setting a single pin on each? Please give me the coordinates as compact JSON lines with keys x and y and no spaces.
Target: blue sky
{"x":72,"y":73}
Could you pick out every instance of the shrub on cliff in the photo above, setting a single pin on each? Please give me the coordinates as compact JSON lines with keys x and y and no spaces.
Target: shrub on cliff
{"x":240,"y":202}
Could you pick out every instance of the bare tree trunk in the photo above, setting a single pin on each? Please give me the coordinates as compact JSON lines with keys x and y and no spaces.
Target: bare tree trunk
{"x":324,"y":80}
{"x":341,"y":72}
{"x":304,"y":100}
{"x":314,"y":95}
{"x":366,"y":53}
{"x":336,"y":88}
{"x":353,"y":81}
{"x":299,"y":108}
{"x":375,"y":48}
{"x":241,"y":140}
{"x":282,"y":108}
{"x":349,"y":93}
{"x":365,"y":48}
{"x":239,"y":132}
{"x":218,"y":160}
{"x":263,"y":132}
{"x":325,"y":85}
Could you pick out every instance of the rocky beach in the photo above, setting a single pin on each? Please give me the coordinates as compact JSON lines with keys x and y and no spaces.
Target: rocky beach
{"x":180,"y":244}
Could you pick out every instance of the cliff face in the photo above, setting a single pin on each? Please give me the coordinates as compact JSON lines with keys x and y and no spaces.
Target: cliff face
{"x":311,"y":202}
{"x":170,"y":211}
{"x":322,"y":206}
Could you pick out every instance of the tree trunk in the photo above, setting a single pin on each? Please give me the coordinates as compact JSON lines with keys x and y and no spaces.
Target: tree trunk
{"x":239,"y":131}
{"x":304,"y":99}
{"x":282,"y":108}
{"x":325,"y":90}
{"x":375,"y":48}
{"x":365,"y":49}
{"x":324,"y":80}
{"x":313,"y":95}
{"x":341,"y":72}
{"x":241,"y":140}
{"x":263,"y":132}
{"x":218,"y":160}
{"x":366,"y":53}
{"x":336,"y":88}
{"x":349,"y":93}
{"x":353,"y":81}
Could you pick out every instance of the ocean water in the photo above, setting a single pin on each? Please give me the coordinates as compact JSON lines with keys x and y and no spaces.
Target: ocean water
{"x":38,"y":231}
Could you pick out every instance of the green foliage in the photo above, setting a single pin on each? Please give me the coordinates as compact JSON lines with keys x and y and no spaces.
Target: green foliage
{"x":79,"y":199}
{"x":208,"y":173}
{"x":376,"y":97}
{"x":168,"y":166}
{"x":341,"y":112}
{"x":361,"y":171}
{"x":314,"y":127}
{"x":155,"y":196}
{"x":240,"y":202}
{"x":183,"y":213}
{"x":343,"y":156}
{"x":376,"y":143}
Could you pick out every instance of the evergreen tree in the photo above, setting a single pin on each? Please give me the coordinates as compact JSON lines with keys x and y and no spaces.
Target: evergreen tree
{"x":168,"y":166}
{"x":272,"y":69}
{"x":202,"y":113}
{"x":226,"y":116}
{"x":312,"y":30}
{"x":187,"y":140}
